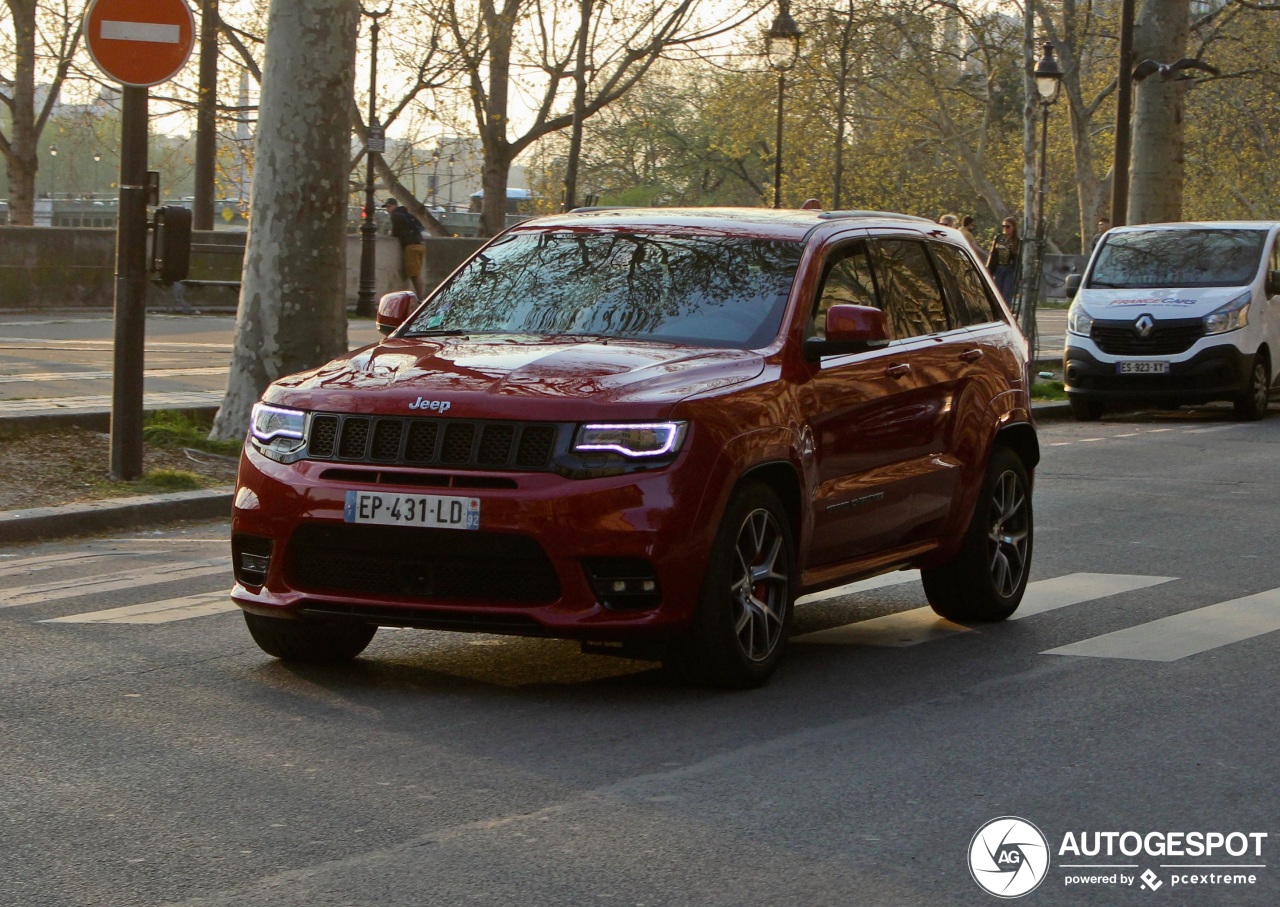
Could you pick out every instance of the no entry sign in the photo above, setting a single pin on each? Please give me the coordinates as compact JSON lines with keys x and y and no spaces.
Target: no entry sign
{"x":139,"y":42}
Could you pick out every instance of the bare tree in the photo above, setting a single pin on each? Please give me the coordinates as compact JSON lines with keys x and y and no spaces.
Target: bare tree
{"x":292,"y":313}
{"x":1158,"y":165}
{"x":41,"y":31}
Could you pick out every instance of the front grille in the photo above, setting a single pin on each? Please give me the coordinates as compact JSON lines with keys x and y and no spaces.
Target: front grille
{"x":453,"y":443}
{"x":443,"y":564}
{"x":1166,"y":339}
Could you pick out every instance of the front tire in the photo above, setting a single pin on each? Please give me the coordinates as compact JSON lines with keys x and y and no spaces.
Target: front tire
{"x":988,"y":577}
{"x":308,"y":642}
{"x":744,"y":611}
{"x":1252,"y":404}
{"x":1084,"y":409}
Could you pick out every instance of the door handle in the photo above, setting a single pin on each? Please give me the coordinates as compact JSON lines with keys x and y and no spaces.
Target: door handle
{"x":898,"y":370}
{"x":971,"y":355}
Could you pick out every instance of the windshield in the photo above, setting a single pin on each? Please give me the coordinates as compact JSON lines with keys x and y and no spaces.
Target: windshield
{"x":1178,"y":258}
{"x":709,"y":290}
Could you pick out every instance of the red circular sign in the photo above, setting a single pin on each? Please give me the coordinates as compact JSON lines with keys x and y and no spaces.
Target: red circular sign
{"x":139,"y":42}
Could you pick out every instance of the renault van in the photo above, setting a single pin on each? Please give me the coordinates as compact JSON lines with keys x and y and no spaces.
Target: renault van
{"x":1174,"y":314}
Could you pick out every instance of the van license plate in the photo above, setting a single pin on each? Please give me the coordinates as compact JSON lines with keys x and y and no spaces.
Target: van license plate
{"x":429,"y":510}
{"x":1142,"y":368}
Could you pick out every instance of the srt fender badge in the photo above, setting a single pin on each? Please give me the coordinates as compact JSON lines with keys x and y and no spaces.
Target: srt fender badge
{"x":436,"y":406}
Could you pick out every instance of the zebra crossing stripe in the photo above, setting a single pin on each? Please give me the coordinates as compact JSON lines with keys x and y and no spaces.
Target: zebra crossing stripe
{"x":162,"y":612}
{"x":1074,"y":588}
{"x":909,"y":628}
{"x":1189,"y":633}
{"x":65,"y":559}
{"x":111,"y":582}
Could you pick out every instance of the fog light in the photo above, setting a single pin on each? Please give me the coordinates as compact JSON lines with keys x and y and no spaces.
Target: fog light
{"x":251,"y":559}
{"x":623,"y":583}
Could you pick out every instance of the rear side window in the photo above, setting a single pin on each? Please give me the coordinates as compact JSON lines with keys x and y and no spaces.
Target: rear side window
{"x":970,"y":302}
{"x":913,"y":301}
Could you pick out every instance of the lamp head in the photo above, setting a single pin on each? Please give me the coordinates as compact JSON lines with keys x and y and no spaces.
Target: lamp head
{"x":1048,"y":75}
{"x":782,"y":42}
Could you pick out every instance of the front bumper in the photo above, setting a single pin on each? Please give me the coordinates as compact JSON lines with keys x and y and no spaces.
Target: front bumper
{"x":533,"y":568}
{"x":1220,"y":372}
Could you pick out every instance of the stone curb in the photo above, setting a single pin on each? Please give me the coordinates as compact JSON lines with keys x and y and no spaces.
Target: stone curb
{"x":114,"y":513}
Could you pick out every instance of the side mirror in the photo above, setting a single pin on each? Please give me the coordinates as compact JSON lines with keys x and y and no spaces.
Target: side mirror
{"x":1273,"y":283}
{"x":849,"y":329}
{"x":1072,"y":285}
{"x":393,"y":309}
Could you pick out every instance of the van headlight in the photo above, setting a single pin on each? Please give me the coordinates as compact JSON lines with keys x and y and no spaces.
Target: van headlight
{"x":638,"y":440}
{"x":278,"y":433}
{"x":1231,"y":317}
{"x":1078,"y":320}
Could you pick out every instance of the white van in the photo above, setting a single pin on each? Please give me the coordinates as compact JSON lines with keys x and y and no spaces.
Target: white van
{"x":1172,"y":314}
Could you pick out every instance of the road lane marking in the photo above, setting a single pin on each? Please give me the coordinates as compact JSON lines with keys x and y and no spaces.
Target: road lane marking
{"x":42,"y":377}
{"x":112,"y":582}
{"x":161,"y":612}
{"x":863,"y":585}
{"x":919,"y":625}
{"x":53,"y":561}
{"x":1074,"y":588}
{"x":1189,"y":633}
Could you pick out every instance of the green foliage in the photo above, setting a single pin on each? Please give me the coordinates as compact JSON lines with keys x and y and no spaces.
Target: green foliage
{"x":175,"y":430}
{"x":166,"y":480}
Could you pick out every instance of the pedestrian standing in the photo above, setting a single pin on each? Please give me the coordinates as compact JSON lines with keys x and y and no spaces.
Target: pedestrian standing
{"x":1002,"y":260}
{"x":966,"y":227}
{"x":413,"y":247}
{"x":1103,"y":226}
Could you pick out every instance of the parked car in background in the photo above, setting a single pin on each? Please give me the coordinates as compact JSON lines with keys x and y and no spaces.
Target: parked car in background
{"x":1174,"y":314}
{"x":649,"y":430}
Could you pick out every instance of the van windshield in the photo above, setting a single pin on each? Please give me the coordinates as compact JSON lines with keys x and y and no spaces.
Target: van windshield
{"x":1178,"y":259}
{"x":700,"y":288}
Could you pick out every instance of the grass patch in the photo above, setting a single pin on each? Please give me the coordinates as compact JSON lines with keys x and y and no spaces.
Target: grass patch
{"x":174,"y":431}
{"x":166,"y":480}
{"x":1048,"y":390}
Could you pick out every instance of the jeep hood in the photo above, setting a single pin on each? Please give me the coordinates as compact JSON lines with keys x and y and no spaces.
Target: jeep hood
{"x":510,"y":376}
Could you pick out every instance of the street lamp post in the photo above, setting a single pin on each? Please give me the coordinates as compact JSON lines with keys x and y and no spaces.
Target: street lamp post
{"x":1048,"y":79}
{"x":97,"y":159}
{"x":435,"y":177}
{"x":53,"y":175}
{"x":453,"y":159}
{"x":374,"y":144}
{"x":782,"y":48}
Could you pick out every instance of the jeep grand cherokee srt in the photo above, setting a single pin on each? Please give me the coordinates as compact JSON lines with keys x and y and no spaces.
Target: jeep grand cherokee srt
{"x":649,"y":430}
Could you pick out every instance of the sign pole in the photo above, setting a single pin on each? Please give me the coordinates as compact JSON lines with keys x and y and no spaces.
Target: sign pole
{"x":131,"y":289}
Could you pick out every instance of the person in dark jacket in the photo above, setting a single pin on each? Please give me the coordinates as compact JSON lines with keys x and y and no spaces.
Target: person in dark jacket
{"x":408,"y":229}
{"x":1002,"y":260}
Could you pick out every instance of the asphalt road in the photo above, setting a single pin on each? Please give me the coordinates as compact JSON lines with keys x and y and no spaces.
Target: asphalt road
{"x":152,"y":755}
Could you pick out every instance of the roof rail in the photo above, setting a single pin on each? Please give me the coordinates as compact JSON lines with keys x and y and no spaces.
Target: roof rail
{"x":837,"y":215}
{"x":593,"y":208}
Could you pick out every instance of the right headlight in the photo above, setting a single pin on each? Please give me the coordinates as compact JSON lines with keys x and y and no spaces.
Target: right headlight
{"x":1231,"y":317}
{"x":278,"y":433}
{"x":1078,"y":320}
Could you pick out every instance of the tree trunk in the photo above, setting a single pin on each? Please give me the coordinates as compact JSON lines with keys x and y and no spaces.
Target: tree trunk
{"x":21,"y":162}
{"x":1158,"y":164}
{"x":292,"y":313}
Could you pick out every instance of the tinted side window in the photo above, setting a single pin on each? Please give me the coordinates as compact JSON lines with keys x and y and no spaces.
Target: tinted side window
{"x":970,"y":302}
{"x":913,"y":301}
{"x":847,"y":281}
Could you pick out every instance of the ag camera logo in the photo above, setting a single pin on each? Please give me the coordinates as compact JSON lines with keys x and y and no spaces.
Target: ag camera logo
{"x":1008,"y":857}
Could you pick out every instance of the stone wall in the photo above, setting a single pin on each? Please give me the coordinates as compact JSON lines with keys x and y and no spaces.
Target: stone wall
{"x":74,"y":267}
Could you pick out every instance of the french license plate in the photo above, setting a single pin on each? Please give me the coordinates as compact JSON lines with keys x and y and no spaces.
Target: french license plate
{"x":1142,"y":368}
{"x":429,"y":510}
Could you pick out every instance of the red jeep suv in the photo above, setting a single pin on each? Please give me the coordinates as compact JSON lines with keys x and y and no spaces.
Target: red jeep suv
{"x":649,"y":430}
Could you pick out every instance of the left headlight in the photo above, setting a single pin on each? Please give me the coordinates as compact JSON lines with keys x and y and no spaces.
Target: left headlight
{"x":637,"y":440}
{"x":277,"y":432}
{"x":1231,"y":317}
